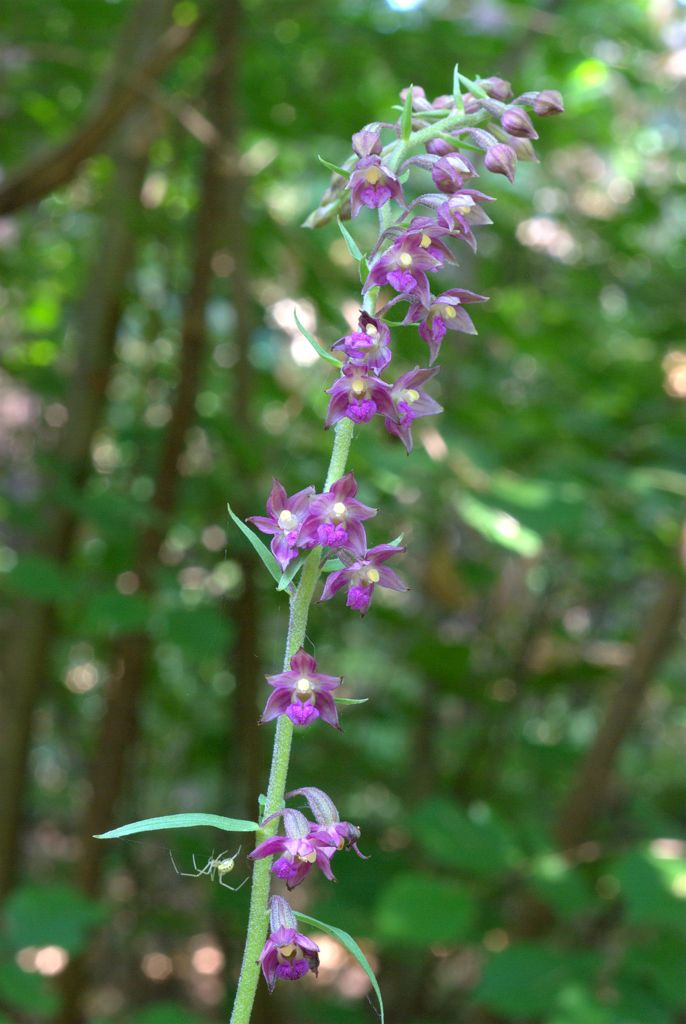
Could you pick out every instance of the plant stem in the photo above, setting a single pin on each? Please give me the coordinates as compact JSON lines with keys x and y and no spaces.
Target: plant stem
{"x":297,"y":627}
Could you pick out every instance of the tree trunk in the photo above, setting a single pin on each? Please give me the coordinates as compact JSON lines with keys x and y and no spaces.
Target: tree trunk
{"x":135,"y":69}
{"x":118,"y":727}
{"x":588,"y":792}
{"x":32,"y":624}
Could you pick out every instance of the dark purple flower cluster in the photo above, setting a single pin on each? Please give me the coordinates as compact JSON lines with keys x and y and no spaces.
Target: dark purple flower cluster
{"x":307,"y":844}
{"x":334,"y":520}
{"x":412,"y":249}
{"x":287,"y":954}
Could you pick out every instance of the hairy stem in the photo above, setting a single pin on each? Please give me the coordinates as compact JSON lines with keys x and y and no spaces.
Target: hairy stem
{"x":297,"y":627}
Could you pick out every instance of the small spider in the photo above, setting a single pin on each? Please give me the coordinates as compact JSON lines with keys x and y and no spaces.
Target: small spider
{"x":218,"y":866}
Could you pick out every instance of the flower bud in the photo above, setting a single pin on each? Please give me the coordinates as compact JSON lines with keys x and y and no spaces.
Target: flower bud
{"x":322,"y":806}
{"x":439,"y":147}
{"x":547,"y":103}
{"x":497,"y":88}
{"x":367,"y":142}
{"x":280,"y":914}
{"x":471,"y":104}
{"x":501,"y":159}
{"x":517,"y":122}
{"x":448,"y":173}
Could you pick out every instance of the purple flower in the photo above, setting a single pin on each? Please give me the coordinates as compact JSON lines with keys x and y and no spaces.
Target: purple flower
{"x":285,"y":518}
{"x":329,"y":827}
{"x":335,"y":519}
{"x":370,"y":344}
{"x":300,"y":849}
{"x":358,"y":396}
{"x":404,"y":265}
{"x":412,"y":402}
{"x":461,"y":211}
{"x":302,"y":693}
{"x":444,"y":313}
{"x":371,"y":184}
{"x":362,"y":571}
{"x":287,"y":954}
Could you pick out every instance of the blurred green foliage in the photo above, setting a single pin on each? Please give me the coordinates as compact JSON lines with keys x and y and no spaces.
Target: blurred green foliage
{"x":539,"y":514}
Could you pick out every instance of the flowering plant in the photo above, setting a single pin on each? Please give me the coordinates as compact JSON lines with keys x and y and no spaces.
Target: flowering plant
{"x":312,"y":532}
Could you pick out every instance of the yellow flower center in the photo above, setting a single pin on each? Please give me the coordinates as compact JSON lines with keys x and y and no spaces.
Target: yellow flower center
{"x":287,"y":520}
{"x":410,"y":395}
{"x":372,"y":175}
{"x":405,"y":259}
{"x":358,"y":387}
{"x":373,"y":575}
{"x":288,"y":950}
{"x":448,"y":311}
{"x":370,"y":329}
{"x":309,"y":858}
{"x":303,"y":685}
{"x":425,"y":241}
{"x":339,"y":509}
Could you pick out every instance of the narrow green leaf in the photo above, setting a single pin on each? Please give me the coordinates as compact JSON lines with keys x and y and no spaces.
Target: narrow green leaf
{"x":351,"y":700}
{"x":289,"y":575}
{"x":348,"y":942}
{"x":457,"y":89}
{"x":406,"y":118}
{"x":474,"y":87}
{"x":462,"y":142}
{"x":397,"y":542}
{"x":353,"y":247}
{"x":180,"y":821}
{"x":315,"y":344}
{"x":332,"y":564}
{"x":261,"y":549}
{"x":333,"y":167}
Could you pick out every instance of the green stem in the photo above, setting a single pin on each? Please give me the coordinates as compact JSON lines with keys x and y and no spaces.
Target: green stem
{"x":297,"y":628}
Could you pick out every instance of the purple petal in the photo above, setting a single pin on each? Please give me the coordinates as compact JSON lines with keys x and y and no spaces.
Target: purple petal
{"x":334,"y":582}
{"x":327,"y":709}
{"x":338,"y":408}
{"x":264,"y":524}
{"x":276,"y":502}
{"x":300,"y":501}
{"x":277,"y":704}
{"x":390,"y":579}
{"x":382,"y":552}
{"x":324,"y":865}
{"x":344,"y":489}
{"x":268,"y":848}
{"x":303,"y":663}
{"x":282,"y":551}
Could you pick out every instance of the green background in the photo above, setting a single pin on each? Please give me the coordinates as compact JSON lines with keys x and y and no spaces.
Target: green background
{"x":542,"y":514}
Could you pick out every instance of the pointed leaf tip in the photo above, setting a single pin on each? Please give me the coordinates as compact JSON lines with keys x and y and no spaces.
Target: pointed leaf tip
{"x":180,"y":821}
{"x":353,"y":247}
{"x":261,"y":549}
{"x":315,"y":344}
{"x":406,"y":117}
{"x":348,"y":942}
{"x":333,"y":167}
